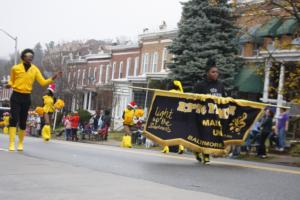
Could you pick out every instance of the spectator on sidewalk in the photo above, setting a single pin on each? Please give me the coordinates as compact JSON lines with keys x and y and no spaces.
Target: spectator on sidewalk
{"x":106,"y":120}
{"x":266,"y":129}
{"x":282,"y":128}
{"x":68,"y":128}
{"x":74,"y":124}
{"x":253,"y":136}
{"x":95,"y":120}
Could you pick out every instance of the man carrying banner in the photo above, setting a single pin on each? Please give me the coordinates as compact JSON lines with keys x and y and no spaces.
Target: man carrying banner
{"x":212,"y":86}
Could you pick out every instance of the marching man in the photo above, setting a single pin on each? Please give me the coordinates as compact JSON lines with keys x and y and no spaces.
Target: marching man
{"x":22,"y":77}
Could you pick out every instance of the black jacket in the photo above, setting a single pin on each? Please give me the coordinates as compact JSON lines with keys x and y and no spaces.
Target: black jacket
{"x":215,"y":88}
{"x":266,"y":125}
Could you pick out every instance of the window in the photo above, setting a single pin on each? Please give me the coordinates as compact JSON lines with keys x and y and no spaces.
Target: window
{"x":78,"y":77}
{"x":128,"y":67}
{"x":139,"y":97}
{"x":136,"y":65}
{"x":89,"y":75}
{"x":113,"y":71}
{"x":120,"y":69}
{"x":154,"y":62}
{"x":69,"y":77}
{"x":100,"y":74}
{"x":145,"y":63}
{"x":83,"y":77}
{"x":164,"y":58}
{"x":107,"y":74}
{"x":94,"y":76}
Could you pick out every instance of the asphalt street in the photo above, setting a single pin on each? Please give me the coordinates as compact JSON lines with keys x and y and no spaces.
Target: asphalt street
{"x":69,"y":170}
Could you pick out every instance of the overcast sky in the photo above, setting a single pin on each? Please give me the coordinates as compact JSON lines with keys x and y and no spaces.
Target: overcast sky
{"x":42,"y":21}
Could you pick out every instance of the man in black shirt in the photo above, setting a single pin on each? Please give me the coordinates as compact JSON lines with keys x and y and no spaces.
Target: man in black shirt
{"x":211,"y":86}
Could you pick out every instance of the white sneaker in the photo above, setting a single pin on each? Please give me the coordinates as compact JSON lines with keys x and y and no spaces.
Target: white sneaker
{"x":263,"y":156}
{"x":281,"y":149}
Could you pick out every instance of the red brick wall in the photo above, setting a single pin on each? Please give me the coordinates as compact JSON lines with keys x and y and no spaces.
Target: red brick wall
{"x":125,"y":54}
{"x":151,"y":49}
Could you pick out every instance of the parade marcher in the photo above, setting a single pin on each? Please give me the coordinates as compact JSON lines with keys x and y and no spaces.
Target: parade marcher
{"x":22,"y":77}
{"x":128,"y":122}
{"x":282,"y":128}
{"x":265,"y":131}
{"x":212,"y":86}
{"x":175,"y":86}
{"x":49,"y":109}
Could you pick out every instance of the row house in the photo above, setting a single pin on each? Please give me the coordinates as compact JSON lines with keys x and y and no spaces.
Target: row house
{"x":88,"y":82}
{"x":270,"y":41}
{"x":137,"y":66}
{"x":125,"y":64}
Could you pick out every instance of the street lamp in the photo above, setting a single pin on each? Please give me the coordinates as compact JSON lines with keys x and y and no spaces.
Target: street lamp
{"x":16,"y":43}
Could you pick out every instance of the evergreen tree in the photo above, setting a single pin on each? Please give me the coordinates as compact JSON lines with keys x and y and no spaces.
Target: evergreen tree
{"x":38,"y":55}
{"x":38,"y":90}
{"x":206,"y":30}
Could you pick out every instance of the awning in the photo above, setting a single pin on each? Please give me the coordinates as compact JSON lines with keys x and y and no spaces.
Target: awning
{"x":269,"y":28}
{"x":248,"y":81}
{"x":288,"y":27}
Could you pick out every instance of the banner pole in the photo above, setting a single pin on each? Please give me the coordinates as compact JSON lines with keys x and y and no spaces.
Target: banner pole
{"x":158,"y":90}
{"x":55,"y":118}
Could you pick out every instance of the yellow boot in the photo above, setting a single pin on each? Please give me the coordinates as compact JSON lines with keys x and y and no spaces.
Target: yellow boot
{"x":12,"y":134}
{"x":126,"y":141}
{"x":180,"y":149}
{"x":166,"y":149}
{"x":21,"y":135}
{"x":5,"y":130}
{"x":46,"y":133}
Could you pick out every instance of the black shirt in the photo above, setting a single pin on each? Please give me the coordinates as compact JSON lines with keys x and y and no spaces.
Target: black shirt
{"x":266,"y":125}
{"x":215,"y":88}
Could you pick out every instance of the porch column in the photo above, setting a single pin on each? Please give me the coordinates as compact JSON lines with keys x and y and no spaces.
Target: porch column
{"x":280,"y":88}
{"x":268,"y":65}
{"x":90,"y":101}
{"x":85,"y":100}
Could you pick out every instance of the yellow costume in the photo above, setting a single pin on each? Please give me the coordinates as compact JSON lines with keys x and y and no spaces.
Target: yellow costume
{"x":48,"y":108}
{"x":128,"y":117}
{"x":48,"y":104}
{"x":21,"y":81}
{"x":128,"y":121}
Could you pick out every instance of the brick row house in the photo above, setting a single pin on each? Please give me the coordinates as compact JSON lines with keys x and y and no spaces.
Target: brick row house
{"x":103,"y":80}
{"x":145,"y":62}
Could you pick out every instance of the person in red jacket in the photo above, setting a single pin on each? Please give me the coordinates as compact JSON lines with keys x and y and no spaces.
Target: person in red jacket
{"x":74,"y":124}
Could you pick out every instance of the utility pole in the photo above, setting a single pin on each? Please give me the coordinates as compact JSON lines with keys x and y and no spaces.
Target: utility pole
{"x":16,"y":44}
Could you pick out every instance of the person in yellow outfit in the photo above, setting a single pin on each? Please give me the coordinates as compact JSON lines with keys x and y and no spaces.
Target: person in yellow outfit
{"x":128,"y":122}
{"x":49,"y":101}
{"x":22,"y":77}
{"x":5,"y":122}
{"x":175,"y":86}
